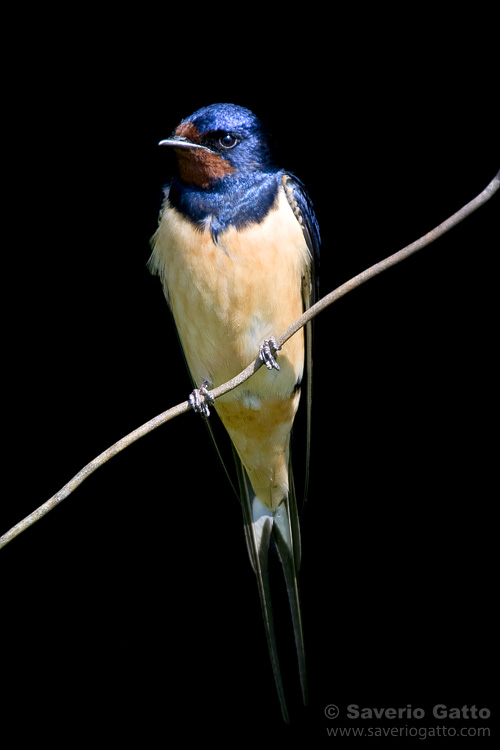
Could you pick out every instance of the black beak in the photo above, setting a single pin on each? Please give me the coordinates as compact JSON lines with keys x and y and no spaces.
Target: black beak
{"x":180,"y":141}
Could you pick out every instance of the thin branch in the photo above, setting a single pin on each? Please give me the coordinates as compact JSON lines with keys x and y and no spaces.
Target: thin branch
{"x":175,"y":411}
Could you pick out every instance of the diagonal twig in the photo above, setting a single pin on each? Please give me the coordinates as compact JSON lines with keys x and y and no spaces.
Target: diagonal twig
{"x":329,"y":299}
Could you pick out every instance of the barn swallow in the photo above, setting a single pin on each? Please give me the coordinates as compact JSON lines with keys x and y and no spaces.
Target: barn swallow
{"x":236,"y":249}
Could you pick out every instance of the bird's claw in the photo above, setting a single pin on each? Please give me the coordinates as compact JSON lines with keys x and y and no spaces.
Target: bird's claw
{"x":267,"y":352}
{"x":200,"y":398}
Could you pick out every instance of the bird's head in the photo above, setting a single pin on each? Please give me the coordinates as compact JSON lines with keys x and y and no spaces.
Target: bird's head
{"x":218,"y":141}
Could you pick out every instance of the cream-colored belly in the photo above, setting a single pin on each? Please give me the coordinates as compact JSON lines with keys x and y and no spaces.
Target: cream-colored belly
{"x":227,"y":298}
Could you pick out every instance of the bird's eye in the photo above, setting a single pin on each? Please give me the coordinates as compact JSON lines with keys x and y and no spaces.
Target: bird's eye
{"x":228,"y":140}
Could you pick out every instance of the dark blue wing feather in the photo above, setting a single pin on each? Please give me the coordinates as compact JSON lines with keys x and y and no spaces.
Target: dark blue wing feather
{"x":302,"y":207}
{"x":304,"y":211}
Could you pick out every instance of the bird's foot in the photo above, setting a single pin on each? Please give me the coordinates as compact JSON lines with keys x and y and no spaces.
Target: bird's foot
{"x":200,"y":398}
{"x":267,"y":353}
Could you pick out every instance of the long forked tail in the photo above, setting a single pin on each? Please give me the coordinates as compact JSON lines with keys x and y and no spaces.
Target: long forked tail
{"x":262,"y":528}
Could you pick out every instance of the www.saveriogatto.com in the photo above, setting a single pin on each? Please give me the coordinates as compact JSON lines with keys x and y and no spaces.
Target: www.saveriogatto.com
{"x":462,"y":721}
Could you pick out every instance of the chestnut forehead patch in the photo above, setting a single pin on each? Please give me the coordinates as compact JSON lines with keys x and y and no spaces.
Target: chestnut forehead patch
{"x":197,"y":166}
{"x":189,"y":131}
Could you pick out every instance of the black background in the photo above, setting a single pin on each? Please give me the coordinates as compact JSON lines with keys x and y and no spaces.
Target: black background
{"x":130,"y":612}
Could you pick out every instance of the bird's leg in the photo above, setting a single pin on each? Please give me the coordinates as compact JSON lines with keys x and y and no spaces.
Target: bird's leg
{"x":200,"y":398}
{"x":267,"y":353}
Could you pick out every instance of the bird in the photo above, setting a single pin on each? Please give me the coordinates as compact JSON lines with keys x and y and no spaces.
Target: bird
{"x":237,"y":250}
